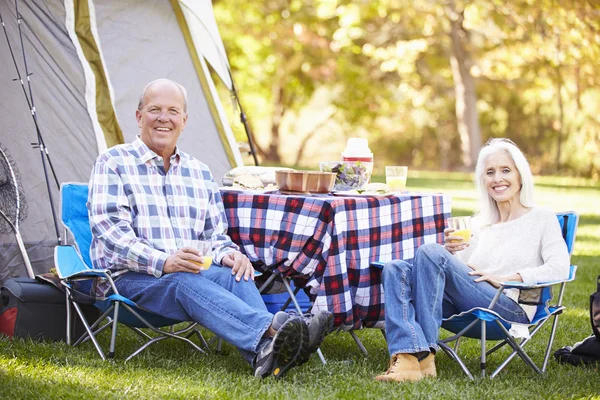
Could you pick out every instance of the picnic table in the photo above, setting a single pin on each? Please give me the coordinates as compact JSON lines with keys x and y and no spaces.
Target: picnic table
{"x":326,"y":243}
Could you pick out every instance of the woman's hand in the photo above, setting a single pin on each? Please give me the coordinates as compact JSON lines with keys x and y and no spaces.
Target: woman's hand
{"x":239,"y":264}
{"x":494,"y":280}
{"x":453,"y":243}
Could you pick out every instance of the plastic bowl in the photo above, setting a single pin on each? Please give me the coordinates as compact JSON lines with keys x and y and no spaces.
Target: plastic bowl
{"x":305,"y":181}
{"x":350,"y":175}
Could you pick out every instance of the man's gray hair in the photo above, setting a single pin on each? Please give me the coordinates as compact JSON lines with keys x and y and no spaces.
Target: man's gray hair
{"x":179,"y":86}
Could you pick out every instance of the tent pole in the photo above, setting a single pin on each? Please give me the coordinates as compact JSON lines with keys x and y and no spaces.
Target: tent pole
{"x":243,"y":118}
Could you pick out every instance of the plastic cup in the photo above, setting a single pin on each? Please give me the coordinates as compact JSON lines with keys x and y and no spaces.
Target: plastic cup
{"x":395,"y":177}
{"x":461,"y":226}
{"x":205,"y":248}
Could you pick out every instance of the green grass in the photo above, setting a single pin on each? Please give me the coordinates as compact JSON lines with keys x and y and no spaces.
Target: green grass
{"x":170,"y":370}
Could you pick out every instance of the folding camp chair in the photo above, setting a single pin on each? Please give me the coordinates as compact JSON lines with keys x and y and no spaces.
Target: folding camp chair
{"x":484,"y":324}
{"x":73,"y":265}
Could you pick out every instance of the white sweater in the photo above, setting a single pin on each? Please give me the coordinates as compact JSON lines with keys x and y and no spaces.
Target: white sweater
{"x":531,"y":245}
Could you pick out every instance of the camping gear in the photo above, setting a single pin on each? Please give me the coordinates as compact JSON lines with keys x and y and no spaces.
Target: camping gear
{"x":13,"y":207}
{"x":89,"y":68}
{"x":588,"y":350}
{"x":36,"y":310}
{"x":45,"y":157}
{"x":595,"y":309}
{"x":73,"y":265}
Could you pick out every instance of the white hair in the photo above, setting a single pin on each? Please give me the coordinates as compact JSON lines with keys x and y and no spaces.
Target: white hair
{"x":488,"y":208}
{"x":179,"y":86}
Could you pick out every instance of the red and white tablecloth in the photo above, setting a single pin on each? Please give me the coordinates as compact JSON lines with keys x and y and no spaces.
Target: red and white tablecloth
{"x":327,"y":243}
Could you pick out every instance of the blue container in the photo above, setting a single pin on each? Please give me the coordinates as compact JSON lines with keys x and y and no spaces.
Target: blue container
{"x":274,"y":302}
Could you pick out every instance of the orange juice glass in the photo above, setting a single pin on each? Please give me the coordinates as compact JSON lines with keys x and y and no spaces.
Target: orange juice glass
{"x":461,"y":226}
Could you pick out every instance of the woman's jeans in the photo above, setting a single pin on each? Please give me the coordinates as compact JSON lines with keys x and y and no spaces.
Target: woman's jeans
{"x":233,"y":310}
{"x":437,"y":285}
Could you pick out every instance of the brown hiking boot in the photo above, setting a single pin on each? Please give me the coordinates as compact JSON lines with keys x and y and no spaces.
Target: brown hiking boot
{"x":403,"y":367}
{"x":428,"y":366}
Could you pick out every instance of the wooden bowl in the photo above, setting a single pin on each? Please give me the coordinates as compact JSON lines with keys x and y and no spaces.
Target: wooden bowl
{"x":304,"y":181}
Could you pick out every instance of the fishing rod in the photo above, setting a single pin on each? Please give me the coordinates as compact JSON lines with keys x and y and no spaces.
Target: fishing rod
{"x":45,"y":156}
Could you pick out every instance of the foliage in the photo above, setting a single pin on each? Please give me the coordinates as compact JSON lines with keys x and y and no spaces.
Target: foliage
{"x":31,"y":370}
{"x":312,"y":73}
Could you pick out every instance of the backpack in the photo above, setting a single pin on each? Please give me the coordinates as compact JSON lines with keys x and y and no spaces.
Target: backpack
{"x":595,"y":310}
{"x":587,"y":351}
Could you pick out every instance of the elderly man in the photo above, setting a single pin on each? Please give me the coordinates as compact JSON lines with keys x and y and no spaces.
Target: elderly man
{"x":148,"y":202}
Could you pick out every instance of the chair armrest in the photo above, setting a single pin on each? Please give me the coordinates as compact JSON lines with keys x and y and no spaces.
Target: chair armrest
{"x":528,"y":286}
{"x":377,"y":264}
{"x":69,"y":265}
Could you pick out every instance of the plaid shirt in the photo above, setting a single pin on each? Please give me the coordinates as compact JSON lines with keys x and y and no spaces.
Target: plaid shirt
{"x":139,"y":214}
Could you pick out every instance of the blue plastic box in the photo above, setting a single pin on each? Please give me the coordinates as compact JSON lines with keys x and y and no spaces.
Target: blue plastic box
{"x":274,"y":302}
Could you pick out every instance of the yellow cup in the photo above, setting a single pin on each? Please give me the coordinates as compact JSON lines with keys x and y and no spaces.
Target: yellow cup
{"x":395,"y":177}
{"x":461,"y":226}
{"x":205,"y":248}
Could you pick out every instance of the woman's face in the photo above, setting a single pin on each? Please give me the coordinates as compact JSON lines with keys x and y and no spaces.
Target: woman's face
{"x":502,"y":178}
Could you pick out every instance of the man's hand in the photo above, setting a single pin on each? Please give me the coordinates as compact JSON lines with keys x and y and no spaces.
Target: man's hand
{"x":239,"y":264}
{"x":186,"y":259}
{"x":453,"y":243}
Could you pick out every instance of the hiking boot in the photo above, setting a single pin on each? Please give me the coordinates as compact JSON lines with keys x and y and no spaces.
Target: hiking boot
{"x":283,"y":352}
{"x":319,"y":326}
{"x":428,"y":366}
{"x":403,"y":367}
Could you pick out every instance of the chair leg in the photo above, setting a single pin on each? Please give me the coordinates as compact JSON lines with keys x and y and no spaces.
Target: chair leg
{"x":550,"y":341}
{"x":483,"y":347}
{"x":68,"y":302}
{"x":90,"y":332}
{"x":113,"y":336}
{"x":358,"y":343}
{"x":164,"y":334}
{"x":454,"y":355}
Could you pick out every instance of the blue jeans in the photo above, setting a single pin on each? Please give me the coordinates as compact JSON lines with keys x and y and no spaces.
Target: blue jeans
{"x":437,"y":285}
{"x":234,"y":311}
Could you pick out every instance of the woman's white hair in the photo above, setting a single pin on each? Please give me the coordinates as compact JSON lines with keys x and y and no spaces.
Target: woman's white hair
{"x":488,"y":211}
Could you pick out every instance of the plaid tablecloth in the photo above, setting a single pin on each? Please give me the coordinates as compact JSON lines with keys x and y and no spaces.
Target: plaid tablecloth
{"x":326,"y":243}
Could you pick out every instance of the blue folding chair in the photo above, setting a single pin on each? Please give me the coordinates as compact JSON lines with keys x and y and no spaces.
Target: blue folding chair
{"x":73,"y":265}
{"x":485,"y":324}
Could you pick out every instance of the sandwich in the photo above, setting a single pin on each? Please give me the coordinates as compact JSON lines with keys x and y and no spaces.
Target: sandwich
{"x":248,"y":182}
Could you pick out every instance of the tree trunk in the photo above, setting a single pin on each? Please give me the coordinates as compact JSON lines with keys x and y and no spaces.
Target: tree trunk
{"x":464,"y":87}
{"x":272,"y":151}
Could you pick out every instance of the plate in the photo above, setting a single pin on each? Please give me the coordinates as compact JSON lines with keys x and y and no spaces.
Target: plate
{"x":354,"y":193}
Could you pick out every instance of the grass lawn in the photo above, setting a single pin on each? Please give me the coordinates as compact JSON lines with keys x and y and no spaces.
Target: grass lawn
{"x":170,"y":370}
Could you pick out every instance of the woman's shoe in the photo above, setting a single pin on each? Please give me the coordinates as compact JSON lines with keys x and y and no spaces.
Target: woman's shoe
{"x":403,"y":367}
{"x":428,"y":366}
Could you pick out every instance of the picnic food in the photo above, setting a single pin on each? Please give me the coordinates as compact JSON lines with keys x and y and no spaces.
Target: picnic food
{"x":375,"y":187}
{"x":247,"y":182}
{"x":350,"y":174}
{"x":265,"y":174}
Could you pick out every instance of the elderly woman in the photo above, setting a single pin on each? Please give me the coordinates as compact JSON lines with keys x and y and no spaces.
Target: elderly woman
{"x":517,"y":241}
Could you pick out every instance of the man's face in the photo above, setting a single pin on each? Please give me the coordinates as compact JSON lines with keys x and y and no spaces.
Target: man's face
{"x":162,"y":118}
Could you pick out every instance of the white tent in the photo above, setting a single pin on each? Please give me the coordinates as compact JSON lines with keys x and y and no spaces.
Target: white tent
{"x":90,"y":60}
